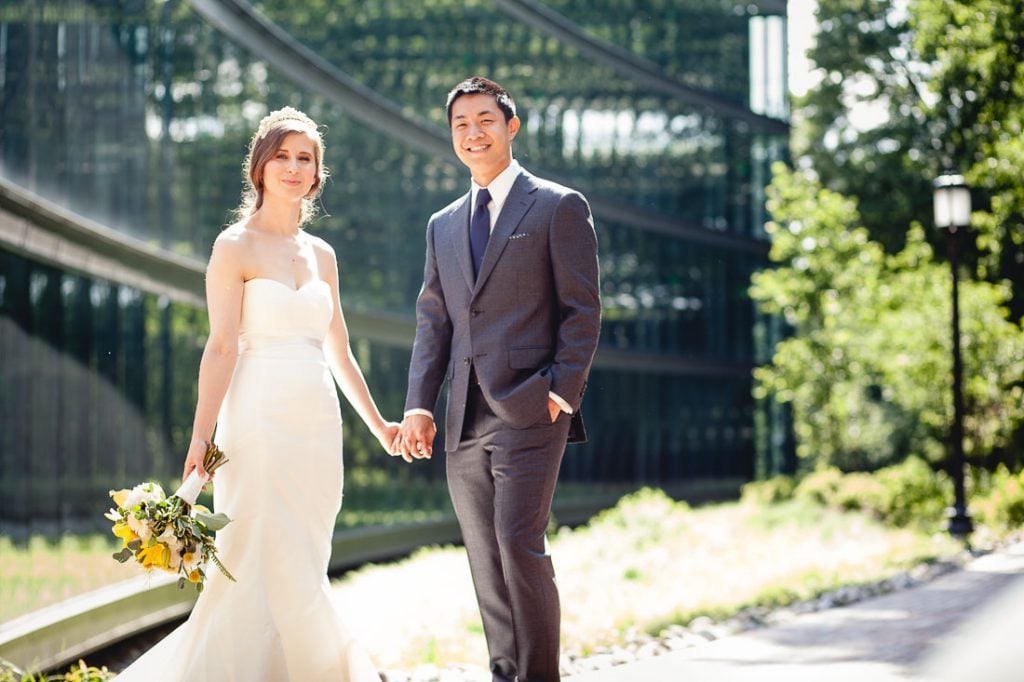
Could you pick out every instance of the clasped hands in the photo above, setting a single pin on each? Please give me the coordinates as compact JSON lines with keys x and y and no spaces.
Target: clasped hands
{"x":415,"y":437}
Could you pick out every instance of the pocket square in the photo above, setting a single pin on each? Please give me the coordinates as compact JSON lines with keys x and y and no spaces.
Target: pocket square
{"x":519,"y":235}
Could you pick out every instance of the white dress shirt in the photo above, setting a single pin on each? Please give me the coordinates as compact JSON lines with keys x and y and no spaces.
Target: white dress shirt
{"x":499,"y":189}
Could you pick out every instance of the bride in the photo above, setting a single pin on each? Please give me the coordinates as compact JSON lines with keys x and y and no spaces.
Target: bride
{"x":277,"y":335}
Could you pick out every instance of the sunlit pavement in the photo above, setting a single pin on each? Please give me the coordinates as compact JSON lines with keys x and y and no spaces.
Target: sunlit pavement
{"x":962,"y":627}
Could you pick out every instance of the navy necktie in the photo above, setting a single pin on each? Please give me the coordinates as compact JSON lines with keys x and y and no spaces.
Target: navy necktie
{"x":479,"y":229}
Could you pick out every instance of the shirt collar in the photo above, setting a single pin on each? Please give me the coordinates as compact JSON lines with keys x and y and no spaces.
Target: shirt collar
{"x":500,"y":186}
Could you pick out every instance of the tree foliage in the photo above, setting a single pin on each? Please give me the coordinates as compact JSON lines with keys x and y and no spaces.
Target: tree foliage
{"x":976,"y":49}
{"x":867,"y":368}
{"x":907,"y":89}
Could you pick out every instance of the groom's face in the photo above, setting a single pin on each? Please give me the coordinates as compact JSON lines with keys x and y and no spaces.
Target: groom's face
{"x":481,"y":136}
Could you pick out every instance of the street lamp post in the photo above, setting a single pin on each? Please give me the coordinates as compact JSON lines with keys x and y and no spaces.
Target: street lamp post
{"x":952,"y":203}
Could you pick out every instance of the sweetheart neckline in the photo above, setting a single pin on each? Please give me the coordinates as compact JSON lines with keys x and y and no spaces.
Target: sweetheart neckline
{"x":282,"y":284}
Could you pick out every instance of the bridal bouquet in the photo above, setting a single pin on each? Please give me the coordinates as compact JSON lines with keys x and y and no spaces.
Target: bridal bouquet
{"x":173,"y":534}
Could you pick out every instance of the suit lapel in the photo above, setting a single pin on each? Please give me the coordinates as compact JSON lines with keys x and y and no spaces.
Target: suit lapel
{"x":518,"y":202}
{"x":459,"y":226}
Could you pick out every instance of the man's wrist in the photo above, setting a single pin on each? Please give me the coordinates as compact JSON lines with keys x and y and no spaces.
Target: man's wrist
{"x":560,"y":401}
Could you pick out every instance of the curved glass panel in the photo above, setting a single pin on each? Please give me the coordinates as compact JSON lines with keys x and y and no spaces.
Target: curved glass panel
{"x":582,"y":120}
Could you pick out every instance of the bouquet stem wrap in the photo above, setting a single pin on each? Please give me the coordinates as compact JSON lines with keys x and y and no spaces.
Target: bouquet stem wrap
{"x":189,"y":490}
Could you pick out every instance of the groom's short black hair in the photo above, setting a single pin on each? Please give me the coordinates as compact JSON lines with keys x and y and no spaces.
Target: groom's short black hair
{"x":482,"y":86}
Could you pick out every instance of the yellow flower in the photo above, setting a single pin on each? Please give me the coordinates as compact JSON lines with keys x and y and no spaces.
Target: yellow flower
{"x":122,"y":531}
{"x":195,"y":576}
{"x":119,"y":496}
{"x":157,"y":555}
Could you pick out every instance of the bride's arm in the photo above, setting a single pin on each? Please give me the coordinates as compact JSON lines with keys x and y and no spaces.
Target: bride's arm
{"x":342,"y":362}
{"x":224,"y":304}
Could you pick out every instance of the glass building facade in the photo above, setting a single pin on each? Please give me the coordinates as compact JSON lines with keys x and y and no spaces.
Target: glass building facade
{"x":123,"y":125}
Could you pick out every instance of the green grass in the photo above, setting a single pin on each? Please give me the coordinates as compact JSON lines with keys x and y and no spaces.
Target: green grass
{"x":41,"y":572}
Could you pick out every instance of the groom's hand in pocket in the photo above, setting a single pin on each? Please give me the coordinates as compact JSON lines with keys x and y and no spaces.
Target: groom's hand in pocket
{"x":416,"y":437}
{"x":553,"y":410}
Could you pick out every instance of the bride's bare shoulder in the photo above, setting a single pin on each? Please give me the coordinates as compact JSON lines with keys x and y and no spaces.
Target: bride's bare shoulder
{"x":231,"y":249}
{"x":323,"y":250}
{"x":233,"y":239}
{"x":326,"y":260}
{"x":320,"y":245}
{"x":236,"y":233}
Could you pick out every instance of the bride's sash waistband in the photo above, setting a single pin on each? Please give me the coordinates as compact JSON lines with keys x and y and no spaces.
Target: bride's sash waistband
{"x":248,"y":344}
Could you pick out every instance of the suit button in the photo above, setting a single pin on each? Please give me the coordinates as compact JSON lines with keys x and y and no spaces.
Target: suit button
{"x":466,"y":360}
{"x":476,"y":312}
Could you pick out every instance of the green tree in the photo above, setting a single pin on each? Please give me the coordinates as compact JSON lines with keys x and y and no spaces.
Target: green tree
{"x":908,"y":89}
{"x":866,"y":370}
{"x":975,"y":48}
{"x":865,"y":128}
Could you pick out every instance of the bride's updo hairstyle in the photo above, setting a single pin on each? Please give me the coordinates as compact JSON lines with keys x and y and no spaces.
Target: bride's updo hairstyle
{"x":274,"y":127}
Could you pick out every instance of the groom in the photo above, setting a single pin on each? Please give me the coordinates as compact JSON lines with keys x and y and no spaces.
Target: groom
{"x":509,"y":315}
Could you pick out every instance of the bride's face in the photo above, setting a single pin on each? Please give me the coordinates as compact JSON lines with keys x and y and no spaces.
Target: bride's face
{"x":292,"y":170}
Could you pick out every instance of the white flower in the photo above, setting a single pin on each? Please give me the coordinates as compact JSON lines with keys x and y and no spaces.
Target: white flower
{"x":140,"y":527}
{"x":144,"y":492}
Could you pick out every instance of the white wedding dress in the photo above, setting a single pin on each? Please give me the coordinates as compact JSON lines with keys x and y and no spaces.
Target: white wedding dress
{"x":280,"y":427}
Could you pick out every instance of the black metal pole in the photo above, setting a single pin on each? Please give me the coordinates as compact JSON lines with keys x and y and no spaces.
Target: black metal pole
{"x":960,"y":523}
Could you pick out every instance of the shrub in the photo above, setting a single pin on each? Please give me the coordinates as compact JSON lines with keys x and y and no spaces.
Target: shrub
{"x":859,"y":492}
{"x":820,"y":486}
{"x":77,"y":673}
{"x":1002,"y":507}
{"x":647,"y":507}
{"x":912,"y":493}
{"x":899,"y":495}
{"x":775,"y":489}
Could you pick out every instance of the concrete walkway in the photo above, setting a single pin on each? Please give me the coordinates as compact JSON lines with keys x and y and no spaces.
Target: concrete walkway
{"x":965,"y":626}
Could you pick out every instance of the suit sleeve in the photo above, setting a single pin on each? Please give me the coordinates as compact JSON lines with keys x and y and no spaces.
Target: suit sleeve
{"x":573,"y":245}
{"x":432,"y":346}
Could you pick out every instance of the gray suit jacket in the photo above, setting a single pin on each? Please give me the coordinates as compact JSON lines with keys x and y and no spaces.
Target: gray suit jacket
{"x":530,"y":322}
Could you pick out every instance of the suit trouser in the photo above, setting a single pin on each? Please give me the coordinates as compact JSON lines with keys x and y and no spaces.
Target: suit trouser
{"x":502,"y":481}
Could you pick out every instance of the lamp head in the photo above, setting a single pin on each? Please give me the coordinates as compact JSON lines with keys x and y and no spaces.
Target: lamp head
{"x":952,"y":202}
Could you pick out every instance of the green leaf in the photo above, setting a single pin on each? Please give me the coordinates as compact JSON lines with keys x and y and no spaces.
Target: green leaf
{"x":124,"y":555}
{"x":223,"y":569}
{"x":181,"y":583}
{"x":213,"y":521}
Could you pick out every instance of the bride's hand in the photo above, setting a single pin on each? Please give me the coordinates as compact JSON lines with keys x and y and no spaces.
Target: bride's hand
{"x":194,"y":459}
{"x":387,"y":435}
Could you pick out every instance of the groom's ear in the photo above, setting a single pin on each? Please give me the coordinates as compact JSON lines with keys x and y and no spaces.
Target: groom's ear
{"x":513,"y":126}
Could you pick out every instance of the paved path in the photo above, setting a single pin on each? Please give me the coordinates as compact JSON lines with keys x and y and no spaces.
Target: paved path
{"x":965,"y":626}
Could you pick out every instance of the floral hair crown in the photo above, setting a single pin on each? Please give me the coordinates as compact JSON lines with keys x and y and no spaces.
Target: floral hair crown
{"x":274,"y":118}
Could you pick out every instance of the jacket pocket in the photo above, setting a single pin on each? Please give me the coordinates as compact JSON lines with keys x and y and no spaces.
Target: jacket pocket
{"x":529,"y":357}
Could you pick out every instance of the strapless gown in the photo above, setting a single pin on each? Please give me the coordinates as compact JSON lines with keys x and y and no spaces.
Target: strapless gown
{"x":280,"y":426}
